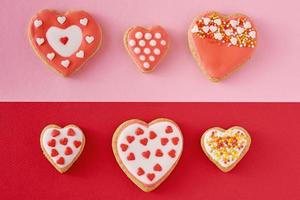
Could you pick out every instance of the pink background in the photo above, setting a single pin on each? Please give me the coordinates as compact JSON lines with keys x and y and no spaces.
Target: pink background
{"x":271,"y":75}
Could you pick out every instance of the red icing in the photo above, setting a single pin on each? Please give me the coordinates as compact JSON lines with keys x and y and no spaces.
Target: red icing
{"x":162,"y":48}
{"x":164,"y":141}
{"x":71,"y":132}
{"x":68,"y":151}
{"x":175,"y":140}
{"x":146,"y":154}
{"x":150,"y":176}
{"x":157,"y":167}
{"x":159,"y":153}
{"x":172,"y":153}
{"x":60,"y":161}
{"x":152,"y":135}
{"x":130,"y":138}
{"x":49,"y":18}
{"x":144,"y":141}
{"x":124,"y":147}
{"x":140,"y":171}
{"x":131,"y":156}
{"x":54,"y":153}
{"x":55,"y":133}
{"x":64,"y":40}
{"x":52,"y":143}
{"x":77,"y":143}
{"x":139,"y":131}
{"x":169,"y":129}
{"x":63,"y":141}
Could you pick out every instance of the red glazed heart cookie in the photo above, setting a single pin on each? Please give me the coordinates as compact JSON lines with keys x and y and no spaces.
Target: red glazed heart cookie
{"x":225,"y":148}
{"x":221,"y":44}
{"x":146,"y":46}
{"x":62,"y":146}
{"x":64,"y":41}
{"x":147,"y":153}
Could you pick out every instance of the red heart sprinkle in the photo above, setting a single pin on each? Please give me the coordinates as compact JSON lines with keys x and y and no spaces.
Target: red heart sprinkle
{"x":131,"y":156}
{"x":124,"y":147}
{"x":60,"y":161}
{"x":68,"y":151}
{"x":139,"y":131}
{"x":130,"y":138}
{"x":146,"y":154}
{"x":144,"y":141}
{"x":71,"y":132}
{"x":63,"y":141}
{"x":64,"y":40}
{"x":152,"y":135}
{"x":169,"y":129}
{"x":175,"y":140}
{"x":172,"y":153}
{"x":52,"y":143}
{"x":55,"y":133}
{"x":140,"y":171}
{"x":159,"y":153}
{"x":150,"y":176}
{"x":54,"y":153}
{"x":164,"y":141}
{"x":77,"y":143}
{"x":157,"y":168}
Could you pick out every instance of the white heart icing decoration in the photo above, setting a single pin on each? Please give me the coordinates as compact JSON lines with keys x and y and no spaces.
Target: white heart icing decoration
{"x":50,"y":56}
{"x":89,"y":39}
{"x":83,"y":21}
{"x":40,"y":41}
{"x":74,"y":35}
{"x":61,"y":19}
{"x":153,"y":158}
{"x":65,"y":63}
{"x":80,"y":54}
{"x":37,"y":23}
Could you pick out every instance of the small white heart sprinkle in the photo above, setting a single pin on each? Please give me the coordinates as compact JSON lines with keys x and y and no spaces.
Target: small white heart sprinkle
{"x":233,"y":41}
{"x":205,"y":29}
{"x":252,"y":34}
{"x":195,"y":29}
{"x":240,"y":30}
{"x":217,"y":21}
{"x":61,"y":19}
{"x":83,"y":21}
{"x":213,"y":28}
{"x":233,"y":23}
{"x":89,"y":39}
{"x":80,"y":54}
{"x":40,"y":41}
{"x":228,"y":32}
{"x":218,"y":36}
{"x":247,"y":25}
{"x":65,"y":63}
{"x":50,"y":56}
{"x":37,"y":23}
{"x":206,"y":20}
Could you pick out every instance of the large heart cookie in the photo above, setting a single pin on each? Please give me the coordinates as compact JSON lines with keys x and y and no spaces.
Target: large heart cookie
{"x":221,"y":44}
{"x":146,"y":46}
{"x":64,"y":41}
{"x":225,"y":148}
{"x":62,"y":146}
{"x":147,"y":153}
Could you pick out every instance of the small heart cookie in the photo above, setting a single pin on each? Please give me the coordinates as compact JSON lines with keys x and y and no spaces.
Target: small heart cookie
{"x":146,"y":46}
{"x":62,"y":146}
{"x":225,"y":148}
{"x":64,"y":41}
{"x":221,"y":44}
{"x":147,"y":153}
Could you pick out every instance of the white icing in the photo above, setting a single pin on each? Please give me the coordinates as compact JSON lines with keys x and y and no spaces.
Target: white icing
{"x":65,"y":63}
{"x":247,"y":25}
{"x":89,"y":39}
{"x":148,"y":36}
{"x":80,"y":54}
{"x":195,"y":29}
{"x":163,"y":42}
{"x":233,"y":23}
{"x":142,"y":43}
{"x":83,"y":21}
{"x":205,"y":29}
{"x":61,"y":148}
{"x":156,"y":51}
{"x":219,"y":133}
{"x":40,"y":41}
{"x":147,"y":51}
{"x":132,"y":43}
{"x":61,"y":19}
{"x":74,"y":35}
{"x":218,"y":36}
{"x":233,"y":41}
{"x":252,"y":34}
{"x":213,"y":28}
{"x":137,"y":148}
{"x":240,"y":30}
{"x":217,"y":21}
{"x":157,"y":35}
{"x":151,"y":58}
{"x":228,"y":32}
{"x":138,"y":35}
{"x":146,"y":65}
{"x":152,"y":43}
{"x":206,"y":20}
{"x":137,"y":50}
{"x":50,"y":56}
{"x":37,"y":23}
{"x":142,"y":58}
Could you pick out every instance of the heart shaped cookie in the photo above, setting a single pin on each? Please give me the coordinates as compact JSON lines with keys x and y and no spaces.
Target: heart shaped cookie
{"x":146,"y":46}
{"x":221,"y":44}
{"x":62,"y":146}
{"x":147,"y":153}
{"x":225,"y":148}
{"x":64,"y":41}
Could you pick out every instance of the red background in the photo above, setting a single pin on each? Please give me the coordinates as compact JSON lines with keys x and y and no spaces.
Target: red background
{"x":270,"y":170}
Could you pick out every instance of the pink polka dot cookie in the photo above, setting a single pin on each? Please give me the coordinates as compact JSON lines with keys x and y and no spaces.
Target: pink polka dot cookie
{"x":221,"y":44}
{"x":64,"y":41}
{"x":146,"y":46}
{"x":62,"y":146}
{"x":147,"y":153}
{"x":225,"y":148}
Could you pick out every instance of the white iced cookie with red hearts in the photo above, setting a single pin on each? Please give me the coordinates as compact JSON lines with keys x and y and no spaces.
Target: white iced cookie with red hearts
{"x":225,"y":148}
{"x":62,"y":146}
{"x":64,"y":41}
{"x":146,"y":46}
{"x":147,"y":152}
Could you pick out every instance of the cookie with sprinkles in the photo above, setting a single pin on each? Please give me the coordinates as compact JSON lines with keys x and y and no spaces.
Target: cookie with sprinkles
{"x":147,"y":152}
{"x":225,"y":148}
{"x":221,"y":44}
{"x":146,"y":46}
